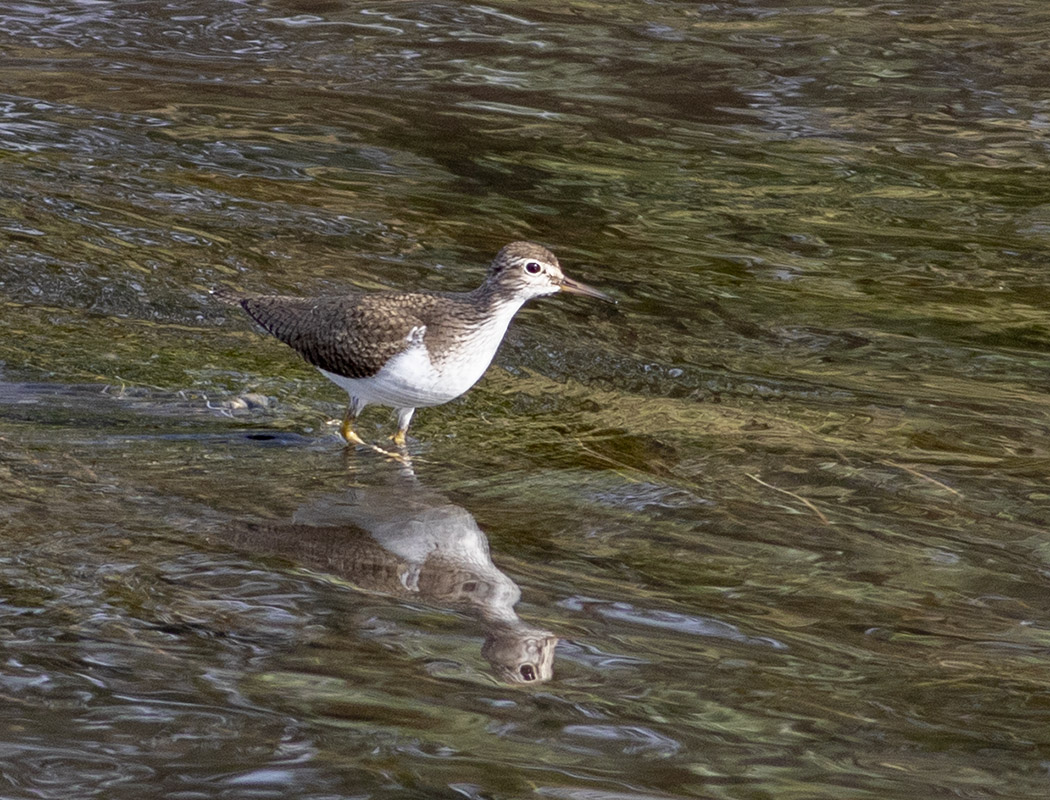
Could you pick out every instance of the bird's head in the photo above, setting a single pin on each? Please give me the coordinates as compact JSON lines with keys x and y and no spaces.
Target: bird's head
{"x":529,"y":270}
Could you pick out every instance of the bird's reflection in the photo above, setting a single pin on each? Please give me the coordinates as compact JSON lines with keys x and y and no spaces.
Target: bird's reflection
{"x":409,"y":542}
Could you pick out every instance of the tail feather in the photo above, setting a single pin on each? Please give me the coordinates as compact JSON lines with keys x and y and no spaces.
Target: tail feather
{"x":228,"y":296}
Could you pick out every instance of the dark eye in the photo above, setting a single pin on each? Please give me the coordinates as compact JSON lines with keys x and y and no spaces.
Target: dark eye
{"x":533,"y":268}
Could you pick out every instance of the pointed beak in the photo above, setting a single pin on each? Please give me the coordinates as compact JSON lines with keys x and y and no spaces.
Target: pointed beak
{"x":575,"y":287}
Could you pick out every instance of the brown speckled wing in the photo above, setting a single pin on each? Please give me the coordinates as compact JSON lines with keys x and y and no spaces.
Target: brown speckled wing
{"x":351,"y":336}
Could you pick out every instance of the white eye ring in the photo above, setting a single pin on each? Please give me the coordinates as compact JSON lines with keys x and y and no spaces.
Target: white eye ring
{"x":533,"y":268}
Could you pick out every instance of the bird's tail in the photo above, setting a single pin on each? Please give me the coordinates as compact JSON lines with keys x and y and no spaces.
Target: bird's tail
{"x":228,"y":296}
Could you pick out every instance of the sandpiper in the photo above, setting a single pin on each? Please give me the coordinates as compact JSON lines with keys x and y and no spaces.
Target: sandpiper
{"x":410,"y":350}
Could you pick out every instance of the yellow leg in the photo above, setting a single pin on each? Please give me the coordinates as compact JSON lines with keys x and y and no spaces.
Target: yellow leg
{"x":404,"y":417}
{"x":347,"y":428}
{"x":348,"y":433}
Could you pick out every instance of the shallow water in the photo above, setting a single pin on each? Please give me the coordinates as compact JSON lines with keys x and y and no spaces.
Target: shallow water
{"x":773,"y":526}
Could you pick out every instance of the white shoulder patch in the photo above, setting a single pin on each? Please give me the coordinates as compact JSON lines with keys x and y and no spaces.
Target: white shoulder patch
{"x":415,"y":336}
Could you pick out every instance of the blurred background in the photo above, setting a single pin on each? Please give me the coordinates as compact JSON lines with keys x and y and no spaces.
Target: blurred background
{"x":774,"y":526}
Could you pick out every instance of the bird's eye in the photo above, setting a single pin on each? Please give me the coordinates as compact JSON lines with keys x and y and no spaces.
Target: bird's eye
{"x":533,"y":268}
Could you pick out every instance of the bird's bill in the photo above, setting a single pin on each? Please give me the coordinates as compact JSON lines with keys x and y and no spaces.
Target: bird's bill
{"x":575,"y":287}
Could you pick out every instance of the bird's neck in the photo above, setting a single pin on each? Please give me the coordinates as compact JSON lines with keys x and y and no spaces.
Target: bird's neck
{"x":493,"y":300}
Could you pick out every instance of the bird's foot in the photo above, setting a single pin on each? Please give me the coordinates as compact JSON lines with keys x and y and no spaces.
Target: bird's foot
{"x":352,"y":439}
{"x":402,"y":457}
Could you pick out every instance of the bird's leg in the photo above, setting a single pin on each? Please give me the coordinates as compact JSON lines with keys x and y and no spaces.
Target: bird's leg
{"x":404,"y":417}
{"x":347,"y":428}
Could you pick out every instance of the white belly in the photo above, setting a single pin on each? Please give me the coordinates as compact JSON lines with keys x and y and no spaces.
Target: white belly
{"x":410,"y":379}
